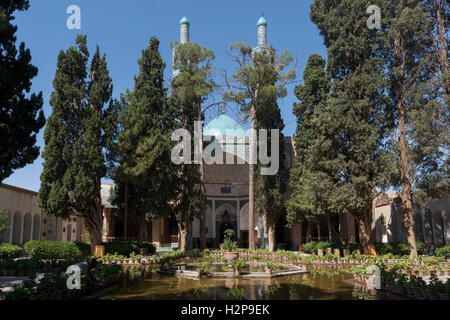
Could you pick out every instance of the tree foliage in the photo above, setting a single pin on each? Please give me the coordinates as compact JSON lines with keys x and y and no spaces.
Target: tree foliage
{"x":143,"y":142}
{"x":75,"y":138}
{"x":21,"y":115}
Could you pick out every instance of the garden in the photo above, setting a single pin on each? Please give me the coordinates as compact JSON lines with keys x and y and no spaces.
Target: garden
{"x":44,"y":263}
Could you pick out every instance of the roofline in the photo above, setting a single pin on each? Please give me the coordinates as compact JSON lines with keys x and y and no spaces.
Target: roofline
{"x":14,"y":188}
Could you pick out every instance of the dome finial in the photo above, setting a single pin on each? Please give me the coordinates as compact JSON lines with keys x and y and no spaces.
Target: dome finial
{"x":184,"y":20}
{"x":262,"y":21}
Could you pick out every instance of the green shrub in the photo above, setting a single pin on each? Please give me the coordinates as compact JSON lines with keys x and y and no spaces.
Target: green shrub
{"x":53,"y":250}
{"x":396,"y":248}
{"x":84,"y":248}
{"x":421,"y":249}
{"x":323,"y":245}
{"x":128,"y":247}
{"x":400,"y":249}
{"x":310,"y":247}
{"x":353,"y":246}
{"x":151,"y":248}
{"x":122,"y":248}
{"x":383,"y":248}
{"x":9,"y":251}
{"x":443,"y":252}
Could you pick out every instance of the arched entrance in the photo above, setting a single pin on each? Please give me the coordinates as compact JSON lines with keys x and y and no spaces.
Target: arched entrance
{"x":27,"y":227}
{"x":225,"y":225}
{"x":17,"y":228}
{"x":36,"y":226}
{"x":225,"y":219}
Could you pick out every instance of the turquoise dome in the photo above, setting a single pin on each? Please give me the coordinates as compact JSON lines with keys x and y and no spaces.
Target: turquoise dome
{"x":221,"y":124}
{"x":261,"y":22}
{"x":184,"y":20}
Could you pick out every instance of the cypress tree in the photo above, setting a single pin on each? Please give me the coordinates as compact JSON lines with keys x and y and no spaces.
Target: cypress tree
{"x":21,"y":115}
{"x":307,"y":203}
{"x":355,"y":117}
{"x":144,"y":143}
{"x":74,"y":137}
{"x":270,"y":189}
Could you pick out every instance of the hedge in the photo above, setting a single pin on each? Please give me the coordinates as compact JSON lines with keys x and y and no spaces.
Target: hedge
{"x":53,"y":250}
{"x":10,"y":251}
{"x":443,"y":252}
{"x":128,"y":247}
{"x":310,"y":247}
{"x":396,"y":248}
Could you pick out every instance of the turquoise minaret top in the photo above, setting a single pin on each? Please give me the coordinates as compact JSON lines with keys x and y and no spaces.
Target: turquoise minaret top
{"x":261,"y":22}
{"x":184,"y":20}
{"x":262,"y":32}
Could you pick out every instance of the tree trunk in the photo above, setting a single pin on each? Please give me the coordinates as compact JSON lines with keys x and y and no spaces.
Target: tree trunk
{"x":202,"y":182}
{"x":408,"y":218}
{"x":308,"y":231}
{"x":125,"y":219}
{"x":271,"y":235}
{"x":93,"y":221}
{"x":403,"y":147}
{"x":364,"y":222}
{"x":442,"y":51}
{"x":318,"y":231}
{"x":142,"y":232}
{"x":251,"y":184}
{"x":182,"y":228}
{"x":330,"y":229}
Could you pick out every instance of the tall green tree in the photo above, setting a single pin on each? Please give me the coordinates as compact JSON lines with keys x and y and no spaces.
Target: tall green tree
{"x":194,"y":65}
{"x":190,"y":88}
{"x":355,"y":117}
{"x":414,"y":52}
{"x":144,"y":143}
{"x":270,"y":189}
{"x":74,"y":159}
{"x":21,"y":115}
{"x":307,"y":203}
{"x":259,"y":75}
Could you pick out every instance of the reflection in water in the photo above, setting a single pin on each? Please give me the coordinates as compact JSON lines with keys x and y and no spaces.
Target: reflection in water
{"x":148,"y":285}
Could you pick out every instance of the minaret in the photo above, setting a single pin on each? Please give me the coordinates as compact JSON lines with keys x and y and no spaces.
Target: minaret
{"x":262,"y":35}
{"x":262,"y":31}
{"x":184,"y":38}
{"x":184,"y":30}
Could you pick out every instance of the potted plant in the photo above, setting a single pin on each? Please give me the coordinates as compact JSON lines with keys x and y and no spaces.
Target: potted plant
{"x":205,"y":268}
{"x":230,"y":246}
{"x":269,"y":267}
{"x":237,"y":265}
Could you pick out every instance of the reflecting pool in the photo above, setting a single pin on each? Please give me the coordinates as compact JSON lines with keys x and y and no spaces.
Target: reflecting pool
{"x":149,"y":285}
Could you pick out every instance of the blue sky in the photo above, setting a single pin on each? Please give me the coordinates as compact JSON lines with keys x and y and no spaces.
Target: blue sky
{"x":123,"y":28}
